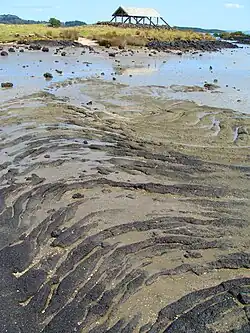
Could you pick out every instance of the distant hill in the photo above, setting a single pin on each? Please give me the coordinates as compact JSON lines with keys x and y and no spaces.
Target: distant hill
{"x":209,"y":31}
{"x":13,"y":19}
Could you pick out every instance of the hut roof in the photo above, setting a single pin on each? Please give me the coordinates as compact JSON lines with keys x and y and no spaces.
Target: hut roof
{"x":134,"y":11}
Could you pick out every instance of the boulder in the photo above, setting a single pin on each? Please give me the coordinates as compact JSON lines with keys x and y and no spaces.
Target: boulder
{"x":7,"y":85}
{"x":48,"y":76}
{"x":35,"y":47}
{"x":4,"y":53}
{"x":45,"y":49}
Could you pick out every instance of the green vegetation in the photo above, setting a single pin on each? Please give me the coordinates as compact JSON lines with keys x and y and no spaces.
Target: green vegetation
{"x":233,"y":35}
{"x":74,"y":24}
{"x":105,"y":35}
{"x":54,"y":23}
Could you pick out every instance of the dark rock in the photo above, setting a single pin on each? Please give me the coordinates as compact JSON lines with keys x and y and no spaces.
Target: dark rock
{"x":45,"y":49}
{"x":35,"y":47}
{"x":6,"y":84}
{"x":244,"y":298}
{"x":21,"y":50}
{"x":47,"y":156}
{"x":4,"y":53}
{"x":58,"y":71}
{"x":48,"y":76}
{"x":11,"y":50}
{"x":56,"y":233}
{"x":210,"y":86}
{"x":114,"y":79}
{"x":193,"y":254}
{"x":89,"y":103}
{"x":63,"y":54}
{"x":77,"y":196}
{"x":112,"y":54}
{"x":85,"y":142}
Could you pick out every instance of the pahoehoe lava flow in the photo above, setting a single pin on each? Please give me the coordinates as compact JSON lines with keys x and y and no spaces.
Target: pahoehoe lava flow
{"x":108,"y":225}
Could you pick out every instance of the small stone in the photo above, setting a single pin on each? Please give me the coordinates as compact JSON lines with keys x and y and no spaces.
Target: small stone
{"x":85,"y":142}
{"x":244,"y":298}
{"x":7,"y":85}
{"x":89,"y":103}
{"x":11,"y":50}
{"x":56,"y":233}
{"x":59,"y":71}
{"x":114,"y":79}
{"x":112,"y":54}
{"x":63,"y":54}
{"x":193,"y":254}
{"x":45,"y":49}
{"x":77,"y":196}
{"x":48,"y":76}
{"x":21,"y":50}
{"x":4,"y":53}
{"x":47,"y":156}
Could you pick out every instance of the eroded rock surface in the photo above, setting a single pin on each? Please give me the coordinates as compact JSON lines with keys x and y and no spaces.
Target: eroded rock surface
{"x":137,"y":221}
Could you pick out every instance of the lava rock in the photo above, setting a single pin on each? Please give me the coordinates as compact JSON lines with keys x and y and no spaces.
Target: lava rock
{"x":56,"y":233}
{"x":35,"y":47}
{"x":77,"y":196}
{"x":45,"y":49}
{"x":48,"y":76}
{"x":7,"y":85}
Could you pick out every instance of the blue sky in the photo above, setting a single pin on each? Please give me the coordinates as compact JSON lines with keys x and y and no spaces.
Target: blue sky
{"x":200,"y":13}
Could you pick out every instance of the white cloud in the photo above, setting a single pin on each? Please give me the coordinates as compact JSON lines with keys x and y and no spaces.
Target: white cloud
{"x":234,"y":5}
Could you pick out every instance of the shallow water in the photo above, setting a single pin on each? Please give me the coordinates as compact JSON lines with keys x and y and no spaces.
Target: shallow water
{"x":230,"y":68}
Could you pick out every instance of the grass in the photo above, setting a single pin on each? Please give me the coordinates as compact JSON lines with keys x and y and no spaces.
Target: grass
{"x":105,"y":35}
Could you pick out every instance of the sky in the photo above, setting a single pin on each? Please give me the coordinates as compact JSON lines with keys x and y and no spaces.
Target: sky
{"x":193,"y":13}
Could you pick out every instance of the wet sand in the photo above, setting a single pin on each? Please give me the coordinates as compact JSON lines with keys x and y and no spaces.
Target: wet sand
{"x":123,"y":210}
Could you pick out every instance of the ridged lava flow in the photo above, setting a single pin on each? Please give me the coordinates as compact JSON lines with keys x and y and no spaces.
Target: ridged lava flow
{"x":105,"y":228}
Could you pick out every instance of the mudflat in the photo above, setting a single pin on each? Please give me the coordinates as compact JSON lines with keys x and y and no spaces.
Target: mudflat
{"x":123,"y":209}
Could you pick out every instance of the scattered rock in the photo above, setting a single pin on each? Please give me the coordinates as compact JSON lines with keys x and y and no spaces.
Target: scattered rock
{"x":193,"y":254}
{"x":11,"y":50}
{"x":210,"y":86}
{"x":63,"y":54}
{"x":56,"y":233}
{"x":7,"y":85}
{"x":4,"y":53}
{"x":89,"y":103}
{"x":45,"y":49}
{"x":77,"y":196}
{"x":35,"y":47}
{"x":58,"y":71}
{"x":47,"y":156}
{"x":48,"y":76}
{"x":112,"y":54}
